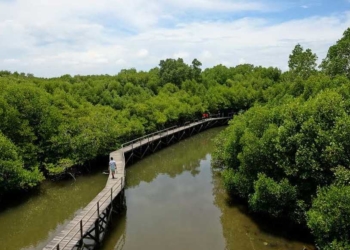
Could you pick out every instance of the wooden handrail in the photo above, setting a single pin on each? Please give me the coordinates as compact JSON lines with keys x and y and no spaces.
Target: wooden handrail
{"x":147,"y":136}
{"x":58,"y":243}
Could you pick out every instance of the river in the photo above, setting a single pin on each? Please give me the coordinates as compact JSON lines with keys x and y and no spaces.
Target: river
{"x":174,"y":200}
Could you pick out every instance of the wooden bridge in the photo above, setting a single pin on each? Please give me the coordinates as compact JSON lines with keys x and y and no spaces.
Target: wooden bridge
{"x":88,"y":227}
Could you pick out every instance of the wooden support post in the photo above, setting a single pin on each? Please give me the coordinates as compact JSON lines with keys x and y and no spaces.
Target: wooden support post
{"x":97,"y":232}
{"x":58,"y":247}
{"x":98,"y":209}
{"x":81,"y":233}
{"x":132,"y":158}
{"x":121,"y":199}
{"x":143,"y":154}
{"x":111,"y":199}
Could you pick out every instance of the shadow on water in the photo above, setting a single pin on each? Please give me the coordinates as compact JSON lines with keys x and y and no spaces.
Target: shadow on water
{"x":174,"y":200}
{"x":177,"y":201}
{"x":279,"y":227}
{"x":118,"y":224}
{"x":90,"y":168}
{"x":30,"y":219}
{"x":263,"y":232}
{"x":9,"y":202}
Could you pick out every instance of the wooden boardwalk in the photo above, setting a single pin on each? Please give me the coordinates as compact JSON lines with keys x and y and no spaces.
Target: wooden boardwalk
{"x":72,"y":234}
{"x":164,"y":133}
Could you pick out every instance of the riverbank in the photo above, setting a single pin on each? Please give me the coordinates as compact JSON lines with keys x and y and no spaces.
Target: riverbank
{"x":173,"y":197}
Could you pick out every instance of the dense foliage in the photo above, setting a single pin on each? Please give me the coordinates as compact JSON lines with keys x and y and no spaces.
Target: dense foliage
{"x":48,"y":126}
{"x":289,"y":154}
{"x":329,"y":217}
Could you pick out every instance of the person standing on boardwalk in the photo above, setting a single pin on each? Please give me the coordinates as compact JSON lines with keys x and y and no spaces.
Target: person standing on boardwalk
{"x":112,"y":166}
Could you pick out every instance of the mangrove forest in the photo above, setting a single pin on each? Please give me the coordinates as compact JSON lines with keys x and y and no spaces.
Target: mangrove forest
{"x":286,"y":152}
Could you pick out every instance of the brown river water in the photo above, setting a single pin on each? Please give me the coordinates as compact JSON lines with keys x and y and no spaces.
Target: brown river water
{"x":174,"y":200}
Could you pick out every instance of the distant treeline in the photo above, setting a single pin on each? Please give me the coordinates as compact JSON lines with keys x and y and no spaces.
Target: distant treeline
{"x":288,"y":156}
{"x":287,"y":152}
{"x":47,"y":126}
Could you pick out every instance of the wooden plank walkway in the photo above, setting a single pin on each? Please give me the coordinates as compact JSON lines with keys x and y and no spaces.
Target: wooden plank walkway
{"x":137,"y":143}
{"x":69,"y":237}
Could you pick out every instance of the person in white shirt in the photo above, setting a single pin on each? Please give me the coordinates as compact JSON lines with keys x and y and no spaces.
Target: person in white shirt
{"x":112,"y":167}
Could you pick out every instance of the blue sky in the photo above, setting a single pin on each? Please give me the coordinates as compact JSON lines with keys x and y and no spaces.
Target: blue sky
{"x":51,"y":38}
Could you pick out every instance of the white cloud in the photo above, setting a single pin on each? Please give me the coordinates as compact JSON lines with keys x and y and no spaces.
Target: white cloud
{"x":218,"y":5}
{"x":183,"y":55}
{"x":120,"y":62}
{"x":142,"y":53}
{"x":241,"y":61}
{"x":50,"y":38}
{"x":206,"y":54}
{"x":10,"y":61}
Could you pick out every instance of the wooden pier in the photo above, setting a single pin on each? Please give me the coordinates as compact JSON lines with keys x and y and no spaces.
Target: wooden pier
{"x":88,"y":228}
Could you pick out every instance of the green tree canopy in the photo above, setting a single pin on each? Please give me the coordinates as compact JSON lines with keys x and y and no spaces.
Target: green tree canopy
{"x":13,"y":175}
{"x":302,"y":63}
{"x":174,"y":71}
{"x":337,"y":61}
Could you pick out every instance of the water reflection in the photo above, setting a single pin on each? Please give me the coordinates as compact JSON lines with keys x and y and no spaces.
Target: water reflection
{"x":173,"y":161}
{"x":176,"y":201}
{"x":243,"y":230}
{"x":31,"y":223}
{"x":169,"y":198}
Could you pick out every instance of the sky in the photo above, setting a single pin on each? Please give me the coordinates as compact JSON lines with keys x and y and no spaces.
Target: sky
{"x":82,"y":37}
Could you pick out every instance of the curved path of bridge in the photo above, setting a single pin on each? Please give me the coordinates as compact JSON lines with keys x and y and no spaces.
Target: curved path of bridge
{"x":87,"y":228}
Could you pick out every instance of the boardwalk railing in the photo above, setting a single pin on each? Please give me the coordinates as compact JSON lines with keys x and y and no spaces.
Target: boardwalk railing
{"x":148,"y":136}
{"x":82,"y":232}
{"x":151,"y":135}
{"x":90,"y":224}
